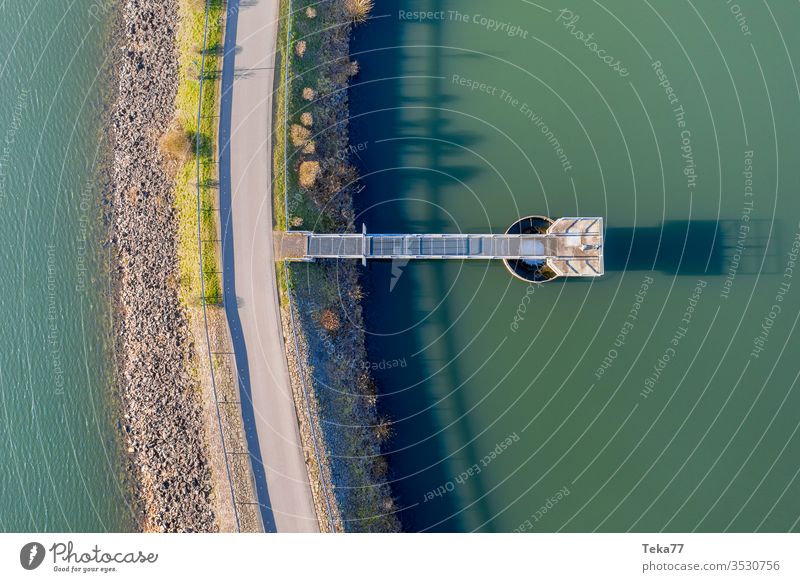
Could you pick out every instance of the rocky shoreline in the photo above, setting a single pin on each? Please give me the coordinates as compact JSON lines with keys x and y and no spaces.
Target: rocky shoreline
{"x":161,"y":399}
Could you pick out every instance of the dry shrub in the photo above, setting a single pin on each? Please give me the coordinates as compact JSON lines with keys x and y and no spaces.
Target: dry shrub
{"x":343,"y":70}
{"x":309,"y":172}
{"x":310,"y":147}
{"x":299,"y":135}
{"x":296,"y":221}
{"x":175,"y":144}
{"x":389,"y":507}
{"x":307,"y":119}
{"x":339,"y":174}
{"x":366,"y":386}
{"x":358,"y":10}
{"x":311,"y":12}
{"x":383,"y":430}
{"x":329,"y":320}
{"x":357,"y":293}
{"x":300,"y":48}
{"x":309,"y":94}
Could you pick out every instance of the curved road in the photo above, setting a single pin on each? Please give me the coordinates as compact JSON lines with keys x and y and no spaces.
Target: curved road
{"x":250,"y":290}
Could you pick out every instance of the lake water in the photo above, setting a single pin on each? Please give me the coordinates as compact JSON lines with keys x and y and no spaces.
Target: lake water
{"x":61,"y":469}
{"x":662,"y":396}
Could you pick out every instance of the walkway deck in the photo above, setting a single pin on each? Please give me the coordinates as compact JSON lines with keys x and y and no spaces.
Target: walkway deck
{"x":573,"y":247}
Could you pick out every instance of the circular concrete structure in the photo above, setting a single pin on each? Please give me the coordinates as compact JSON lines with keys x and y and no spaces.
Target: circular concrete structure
{"x":532,"y":271}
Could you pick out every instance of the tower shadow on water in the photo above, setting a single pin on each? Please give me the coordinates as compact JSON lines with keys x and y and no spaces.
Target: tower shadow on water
{"x":693,"y":247}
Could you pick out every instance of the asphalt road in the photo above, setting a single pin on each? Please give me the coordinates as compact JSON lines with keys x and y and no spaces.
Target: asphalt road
{"x":251,"y":298}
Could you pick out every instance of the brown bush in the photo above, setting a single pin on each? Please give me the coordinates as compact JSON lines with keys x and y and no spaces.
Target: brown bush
{"x":383,"y":430}
{"x":365,"y":386}
{"x":309,"y":94}
{"x":310,"y":147}
{"x":329,"y":320}
{"x":309,"y":172}
{"x":299,"y":135}
{"x":358,"y":10}
{"x":175,"y":144}
{"x":311,"y":12}
{"x":307,"y":119}
{"x":300,"y":48}
{"x":357,"y":293}
{"x":389,"y":508}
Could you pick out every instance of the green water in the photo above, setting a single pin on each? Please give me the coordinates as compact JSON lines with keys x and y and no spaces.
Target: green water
{"x":60,"y":465}
{"x":661,"y":397}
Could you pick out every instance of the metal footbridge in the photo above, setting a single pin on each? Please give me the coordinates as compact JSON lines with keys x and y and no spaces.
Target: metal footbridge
{"x":570,"y":247}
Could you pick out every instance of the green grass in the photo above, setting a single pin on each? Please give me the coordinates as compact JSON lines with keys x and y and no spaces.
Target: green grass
{"x":283,"y":281}
{"x":279,"y":128}
{"x":190,"y":46}
{"x":302,"y":72}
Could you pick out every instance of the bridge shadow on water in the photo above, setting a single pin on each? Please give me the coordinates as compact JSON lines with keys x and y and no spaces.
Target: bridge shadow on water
{"x":412,"y":147}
